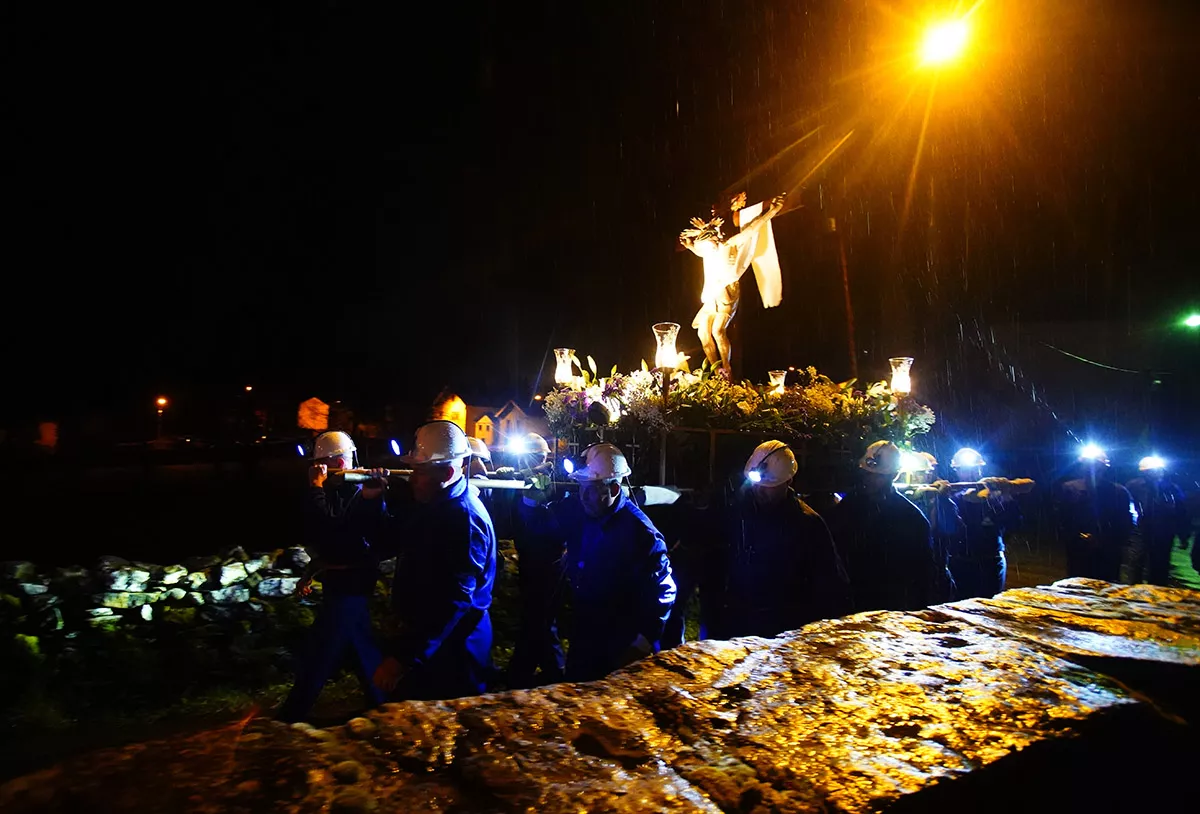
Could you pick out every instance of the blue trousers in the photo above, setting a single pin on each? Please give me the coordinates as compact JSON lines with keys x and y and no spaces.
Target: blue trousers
{"x":1158,"y":556}
{"x":461,"y":667}
{"x":978,"y":577}
{"x":343,"y":624}
{"x":538,"y":644}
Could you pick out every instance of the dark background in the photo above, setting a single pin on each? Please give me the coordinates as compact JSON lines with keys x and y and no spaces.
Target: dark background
{"x":317,"y":201}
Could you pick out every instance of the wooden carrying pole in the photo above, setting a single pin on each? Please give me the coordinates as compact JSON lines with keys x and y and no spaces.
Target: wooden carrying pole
{"x":364,"y":475}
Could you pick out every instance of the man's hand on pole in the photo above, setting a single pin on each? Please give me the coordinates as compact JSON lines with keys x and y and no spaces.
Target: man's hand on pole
{"x":539,"y":491}
{"x":317,"y":473}
{"x":388,"y":674}
{"x":376,"y":486}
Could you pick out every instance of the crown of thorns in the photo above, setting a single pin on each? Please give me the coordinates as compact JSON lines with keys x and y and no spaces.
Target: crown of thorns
{"x":703,"y":230}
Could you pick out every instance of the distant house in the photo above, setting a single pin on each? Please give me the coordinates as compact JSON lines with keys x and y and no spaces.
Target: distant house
{"x":512,"y":423}
{"x":485,"y":430}
{"x":496,"y":427}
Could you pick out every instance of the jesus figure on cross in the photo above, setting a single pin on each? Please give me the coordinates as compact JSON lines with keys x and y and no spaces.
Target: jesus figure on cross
{"x":725,"y":260}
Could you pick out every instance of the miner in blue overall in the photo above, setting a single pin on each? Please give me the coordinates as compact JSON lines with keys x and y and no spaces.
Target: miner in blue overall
{"x":1163,"y":516}
{"x":885,"y":542}
{"x":616,"y":562}
{"x":442,"y":590}
{"x":537,"y":653}
{"x":932,"y":497}
{"x":1095,"y":518}
{"x":773,"y":567}
{"x":989,"y":511}
{"x":336,"y":522}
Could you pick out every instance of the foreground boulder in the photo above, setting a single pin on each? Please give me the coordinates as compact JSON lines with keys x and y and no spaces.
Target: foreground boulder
{"x":1069,"y":697}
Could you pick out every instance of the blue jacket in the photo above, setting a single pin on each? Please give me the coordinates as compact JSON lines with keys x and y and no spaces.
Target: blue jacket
{"x":620,"y":577}
{"x":986,"y":522}
{"x":1162,"y":509}
{"x":337,"y":522}
{"x":774,"y":568}
{"x":443,"y":589}
{"x":887,"y":549}
{"x":1095,"y":506}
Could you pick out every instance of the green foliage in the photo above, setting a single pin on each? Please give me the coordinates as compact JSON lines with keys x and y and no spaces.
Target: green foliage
{"x":11,"y":613}
{"x":177,"y":616}
{"x":290,"y":613}
{"x":815,"y":408}
{"x":506,"y":604}
{"x":29,"y":646}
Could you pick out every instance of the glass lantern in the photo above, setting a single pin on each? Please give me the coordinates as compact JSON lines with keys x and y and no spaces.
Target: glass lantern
{"x":901,"y":380}
{"x":778,"y":379}
{"x":665,"y":334}
{"x":564,"y":370}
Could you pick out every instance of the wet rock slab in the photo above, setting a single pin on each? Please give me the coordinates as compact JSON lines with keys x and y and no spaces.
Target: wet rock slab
{"x":978,"y":705}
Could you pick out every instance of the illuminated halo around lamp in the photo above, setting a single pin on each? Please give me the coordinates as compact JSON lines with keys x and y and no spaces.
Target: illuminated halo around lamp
{"x":564,"y":371}
{"x":665,"y":334}
{"x":901,"y":380}
{"x":1093,"y":452}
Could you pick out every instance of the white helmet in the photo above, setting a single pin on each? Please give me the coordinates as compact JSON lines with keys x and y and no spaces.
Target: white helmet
{"x":882,"y":457}
{"x":479,"y":449}
{"x":438,"y":442}
{"x":917,"y":462}
{"x":602,"y":462}
{"x":1151,"y":463}
{"x":332,"y":444}
{"x":536,"y":444}
{"x":771,"y":464}
{"x":967,"y":458}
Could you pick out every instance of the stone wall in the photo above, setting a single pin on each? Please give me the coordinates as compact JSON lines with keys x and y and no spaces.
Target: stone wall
{"x":1078,"y":696}
{"x":116,"y":592}
{"x":125,"y":642}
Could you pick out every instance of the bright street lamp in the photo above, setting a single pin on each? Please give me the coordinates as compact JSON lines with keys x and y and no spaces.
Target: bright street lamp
{"x":1192,"y":321}
{"x":161,"y":403}
{"x":944,"y":42}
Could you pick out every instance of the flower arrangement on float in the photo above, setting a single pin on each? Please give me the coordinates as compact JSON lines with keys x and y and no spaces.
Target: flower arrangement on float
{"x":673,"y":397}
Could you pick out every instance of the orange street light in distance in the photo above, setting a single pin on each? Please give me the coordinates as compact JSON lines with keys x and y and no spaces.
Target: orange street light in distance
{"x":161,"y":401}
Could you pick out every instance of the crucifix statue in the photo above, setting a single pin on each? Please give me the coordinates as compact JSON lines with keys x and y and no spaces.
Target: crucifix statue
{"x":725,"y":260}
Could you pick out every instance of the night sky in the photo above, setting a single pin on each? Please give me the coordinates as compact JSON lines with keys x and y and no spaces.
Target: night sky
{"x":321,"y":202}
